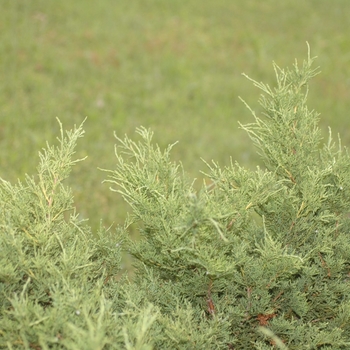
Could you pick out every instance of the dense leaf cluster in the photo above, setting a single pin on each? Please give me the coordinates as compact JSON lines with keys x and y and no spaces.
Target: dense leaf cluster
{"x":254,"y":260}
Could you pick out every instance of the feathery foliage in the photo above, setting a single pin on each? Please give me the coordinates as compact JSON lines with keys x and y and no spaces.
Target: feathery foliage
{"x":256,"y":259}
{"x":265,"y":248}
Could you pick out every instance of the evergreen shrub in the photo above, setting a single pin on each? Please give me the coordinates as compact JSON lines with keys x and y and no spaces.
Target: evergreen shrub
{"x":256,"y":259}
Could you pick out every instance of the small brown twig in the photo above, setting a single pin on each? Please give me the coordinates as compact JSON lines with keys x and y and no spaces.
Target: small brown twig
{"x":210,"y":304}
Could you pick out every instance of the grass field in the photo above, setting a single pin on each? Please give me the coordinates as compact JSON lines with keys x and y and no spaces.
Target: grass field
{"x":174,"y":66}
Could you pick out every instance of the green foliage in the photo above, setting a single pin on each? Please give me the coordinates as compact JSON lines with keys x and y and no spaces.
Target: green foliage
{"x":55,"y":275}
{"x":264,"y":248}
{"x":256,"y":259}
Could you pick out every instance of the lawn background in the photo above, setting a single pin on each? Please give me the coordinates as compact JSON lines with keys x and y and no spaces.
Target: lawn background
{"x":173,"y":66}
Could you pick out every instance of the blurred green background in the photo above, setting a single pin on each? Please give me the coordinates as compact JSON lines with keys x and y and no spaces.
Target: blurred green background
{"x":174,"y":66}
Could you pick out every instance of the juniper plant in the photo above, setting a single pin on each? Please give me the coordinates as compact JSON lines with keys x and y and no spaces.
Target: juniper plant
{"x":255,"y":259}
{"x":260,"y":258}
{"x":55,"y":275}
